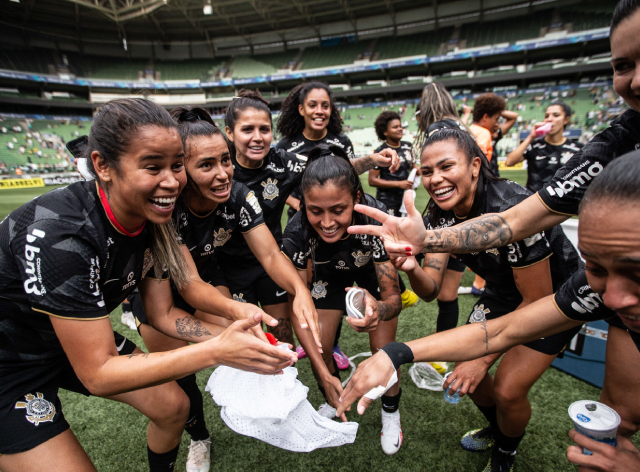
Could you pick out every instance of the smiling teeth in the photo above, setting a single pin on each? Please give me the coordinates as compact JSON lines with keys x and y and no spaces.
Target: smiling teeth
{"x":443,"y":191}
{"x":326,"y":231}
{"x":164,"y":201}
{"x":221,"y":188}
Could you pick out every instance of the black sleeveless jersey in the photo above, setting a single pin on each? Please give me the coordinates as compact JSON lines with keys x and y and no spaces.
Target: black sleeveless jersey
{"x":272,"y":184}
{"x":563,"y":193}
{"x":496,"y":265}
{"x":544,"y":160}
{"x":393,"y":196}
{"x":206,"y":235}
{"x":301,"y":145}
{"x":353,"y":253}
{"x":59,"y":256}
{"x":577,"y":301}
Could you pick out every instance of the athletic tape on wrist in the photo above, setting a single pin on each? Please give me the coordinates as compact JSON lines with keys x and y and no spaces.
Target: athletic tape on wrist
{"x":399,"y":353}
{"x":377,"y":392}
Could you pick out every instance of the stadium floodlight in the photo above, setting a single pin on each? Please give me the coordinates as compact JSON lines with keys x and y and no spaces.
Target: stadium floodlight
{"x":207,"y":9}
{"x":124,"y":43}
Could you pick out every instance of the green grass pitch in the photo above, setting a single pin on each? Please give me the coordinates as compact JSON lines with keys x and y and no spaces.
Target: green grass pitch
{"x":114,"y":435}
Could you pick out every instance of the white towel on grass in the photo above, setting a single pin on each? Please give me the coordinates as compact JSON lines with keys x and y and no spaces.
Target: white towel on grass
{"x":275,"y":409}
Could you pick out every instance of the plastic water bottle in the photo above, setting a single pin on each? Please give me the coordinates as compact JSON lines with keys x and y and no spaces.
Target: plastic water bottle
{"x":451,"y":398}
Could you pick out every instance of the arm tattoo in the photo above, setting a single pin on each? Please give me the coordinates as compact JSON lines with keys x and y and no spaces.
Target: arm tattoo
{"x":483,"y":327}
{"x":188,"y":327}
{"x":136,"y":354}
{"x":485,"y":232}
{"x":363,"y":164}
{"x":390,"y":289}
{"x":433,"y":263}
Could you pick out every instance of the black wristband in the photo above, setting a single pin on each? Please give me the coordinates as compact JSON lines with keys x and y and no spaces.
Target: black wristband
{"x":399,"y":353}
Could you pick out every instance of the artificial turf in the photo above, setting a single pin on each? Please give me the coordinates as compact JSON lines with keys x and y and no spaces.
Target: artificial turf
{"x":114,"y":435}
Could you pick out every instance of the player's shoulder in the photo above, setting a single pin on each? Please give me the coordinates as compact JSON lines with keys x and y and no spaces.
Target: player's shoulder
{"x":503,"y":194}
{"x":623,"y":133}
{"x":406,"y":145}
{"x":296,"y":231}
{"x":382,"y":147}
{"x":284,"y":157}
{"x":69,"y":206}
{"x":369,"y":201}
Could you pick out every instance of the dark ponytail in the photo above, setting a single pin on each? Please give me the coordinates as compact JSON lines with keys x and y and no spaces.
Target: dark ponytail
{"x":328,"y":164}
{"x":114,"y":128}
{"x":291,"y":122}
{"x":194,"y":122}
{"x":468,"y":146}
{"x":243,"y":100}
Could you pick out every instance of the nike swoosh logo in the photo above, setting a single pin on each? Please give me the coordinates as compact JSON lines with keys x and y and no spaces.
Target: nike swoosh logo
{"x":397,"y":443}
{"x":191,"y":249}
{"x":119,"y":348}
{"x":321,"y":262}
{"x":539,"y":158}
{"x":279,"y":294}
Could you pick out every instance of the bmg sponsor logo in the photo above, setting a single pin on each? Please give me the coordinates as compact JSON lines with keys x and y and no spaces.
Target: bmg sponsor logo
{"x":578,"y":180}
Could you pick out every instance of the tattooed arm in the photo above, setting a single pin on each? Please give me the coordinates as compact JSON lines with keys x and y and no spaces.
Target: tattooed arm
{"x":539,"y":319}
{"x":425,"y":281}
{"x":389,"y":305}
{"x":385,"y":158}
{"x":478,"y":234}
{"x":164,"y":316}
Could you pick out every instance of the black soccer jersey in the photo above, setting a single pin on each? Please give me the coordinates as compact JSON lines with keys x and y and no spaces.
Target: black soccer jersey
{"x":495,"y":265}
{"x":544,"y":160}
{"x":206,"y":235}
{"x":563,"y":193}
{"x":59,"y":256}
{"x":301,"y":145}
{"x":577,"y":301}
{"x":447,"y":123}
{"x":353,"y":253}
{"x":272,"y":184}
{"x":392,"y":197}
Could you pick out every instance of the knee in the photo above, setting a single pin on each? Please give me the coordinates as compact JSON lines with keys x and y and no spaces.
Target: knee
{"x":508,"y":396}
{"x":172,"y":408}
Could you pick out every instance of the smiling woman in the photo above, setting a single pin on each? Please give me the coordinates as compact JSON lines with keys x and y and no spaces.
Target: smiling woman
{"x":71,"y":256}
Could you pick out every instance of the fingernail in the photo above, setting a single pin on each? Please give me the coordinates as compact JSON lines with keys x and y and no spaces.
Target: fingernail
{"x":304,"y":326}
{"x":408,"y":248}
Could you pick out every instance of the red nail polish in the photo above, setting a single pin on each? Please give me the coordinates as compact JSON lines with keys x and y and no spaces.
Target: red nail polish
{"x":271,"y":338}
{"x":408,"y":248}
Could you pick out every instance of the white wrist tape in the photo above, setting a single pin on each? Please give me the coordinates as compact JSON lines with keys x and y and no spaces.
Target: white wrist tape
{"x":377,"y":392}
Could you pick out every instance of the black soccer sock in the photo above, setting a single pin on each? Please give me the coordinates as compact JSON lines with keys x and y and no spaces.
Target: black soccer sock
{"x":391,"y":404}
{"x":447,"y":315}
{"x":126,"y":306}
{"x":505,"y":443}
{"x":490,"y":413}
{"x":164,"y":462}
{"x":195,"y":425}
{"x":403,"y":287}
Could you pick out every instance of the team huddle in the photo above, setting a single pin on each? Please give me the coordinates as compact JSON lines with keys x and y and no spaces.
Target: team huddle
{"x":183,"y":220}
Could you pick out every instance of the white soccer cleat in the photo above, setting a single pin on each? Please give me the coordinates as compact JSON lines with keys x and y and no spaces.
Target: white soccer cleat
{"x":128,"y":320}
{"x":391,"y":435}
{"x":199,"y":459}
{"x":327,"y":411}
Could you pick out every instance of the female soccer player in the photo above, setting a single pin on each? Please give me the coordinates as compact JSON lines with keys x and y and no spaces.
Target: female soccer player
{"x":457,"y":176}
{"x":210,"y":209}
{"x":330,"y":189}
{"x":437,"y":110}
{"x":271,"y":174}
{"x":309,"y":117}
{"x":71,"y":256}
{"x":609,"y":234}
{"x":545,"y":155}
{"x":391,"y":185}
{"x":559,"y":199}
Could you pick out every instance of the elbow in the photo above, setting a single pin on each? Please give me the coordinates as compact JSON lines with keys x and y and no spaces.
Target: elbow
{"x":97,"y":386}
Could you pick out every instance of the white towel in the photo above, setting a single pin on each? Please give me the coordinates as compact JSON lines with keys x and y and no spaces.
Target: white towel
{"x":275,"y":409}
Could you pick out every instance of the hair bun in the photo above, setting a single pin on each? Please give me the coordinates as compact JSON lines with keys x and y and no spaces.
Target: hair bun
{"x":251,"y":94}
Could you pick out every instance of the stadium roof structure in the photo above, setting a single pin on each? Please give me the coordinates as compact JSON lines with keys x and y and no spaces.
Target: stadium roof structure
{"x":225,"y":24}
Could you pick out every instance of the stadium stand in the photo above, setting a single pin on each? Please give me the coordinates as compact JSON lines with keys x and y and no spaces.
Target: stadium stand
{"x":412,"y":45}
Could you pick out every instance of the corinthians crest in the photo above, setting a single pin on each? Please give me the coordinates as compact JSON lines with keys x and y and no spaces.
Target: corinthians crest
{"x":319,"y":289}
{"x":221,"y":236}
{"x":271,"y":190}
{"x":360,"y":258}
{"x":38,"y":409}
{"x":239,"y":298}
{"x":479,"y":313}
